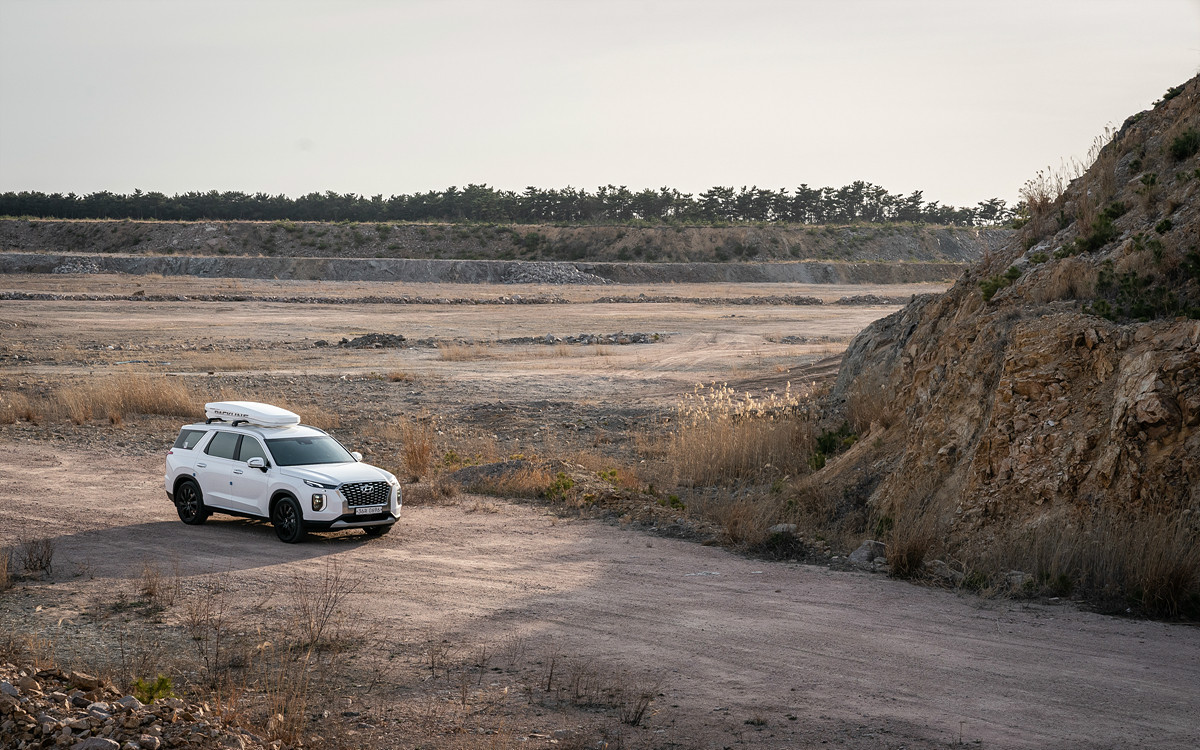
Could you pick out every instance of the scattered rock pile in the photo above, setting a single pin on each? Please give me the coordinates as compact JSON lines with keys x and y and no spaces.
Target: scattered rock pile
{"x":50,"y":708}
{"x":872,"y":299}
{"x":551,"y":273}
{"x":374,"y":341}
{"x":78,"y":265}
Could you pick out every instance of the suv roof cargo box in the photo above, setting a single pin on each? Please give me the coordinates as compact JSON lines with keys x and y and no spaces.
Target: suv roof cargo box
{"x":251,"y":412}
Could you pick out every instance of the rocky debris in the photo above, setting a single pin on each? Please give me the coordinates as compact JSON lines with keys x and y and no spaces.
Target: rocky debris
{"x":51,"y":708}
{"x":77,"y":265}
{"x":583,"y":339}
{"x":374,"y":341}
{"x":869,"y":552}
{"x":872,"y":299}
{"x":814,"y":339}
{"x":771,"y":299}
{"x":472,"y":476}
{"x":586,"y":339}
{"x":551,"y":273}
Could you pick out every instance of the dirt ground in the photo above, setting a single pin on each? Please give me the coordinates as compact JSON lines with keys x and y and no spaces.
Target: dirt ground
{"x":740,"y":652}
{"x":743,"y":652}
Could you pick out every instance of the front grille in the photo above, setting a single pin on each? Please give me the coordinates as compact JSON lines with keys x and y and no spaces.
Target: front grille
{"x":367,"y":493}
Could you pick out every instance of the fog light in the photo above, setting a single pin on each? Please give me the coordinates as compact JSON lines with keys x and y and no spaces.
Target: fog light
{"x":318,"y":501}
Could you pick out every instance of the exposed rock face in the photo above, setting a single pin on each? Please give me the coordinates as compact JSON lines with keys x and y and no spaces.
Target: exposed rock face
{"x":1007,"y":412}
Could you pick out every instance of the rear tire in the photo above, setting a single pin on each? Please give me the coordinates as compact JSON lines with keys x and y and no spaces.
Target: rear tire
{"x":377,"y":531}
{"x":189,"y":503}
{"x":288,"y":520}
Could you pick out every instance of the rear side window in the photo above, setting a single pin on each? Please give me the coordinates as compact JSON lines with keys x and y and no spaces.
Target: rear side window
{"x":223,"y":445}
{"x":188,"y":438}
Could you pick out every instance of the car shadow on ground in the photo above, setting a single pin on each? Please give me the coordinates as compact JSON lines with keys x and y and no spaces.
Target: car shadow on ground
{"x":219,"y":545}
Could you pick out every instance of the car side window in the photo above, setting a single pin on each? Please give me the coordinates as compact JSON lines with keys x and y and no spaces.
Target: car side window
{"x":250,"y":449}
{"x":223,"y":445}
{"x":188,"y":438}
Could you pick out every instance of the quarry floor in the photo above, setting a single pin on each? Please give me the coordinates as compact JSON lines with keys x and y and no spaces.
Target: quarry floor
{"x":741,"y":652}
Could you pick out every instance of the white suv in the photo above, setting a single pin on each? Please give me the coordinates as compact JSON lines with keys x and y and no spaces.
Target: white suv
{"x":257,"y":460}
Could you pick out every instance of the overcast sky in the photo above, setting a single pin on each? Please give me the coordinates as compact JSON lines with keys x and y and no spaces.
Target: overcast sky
{"x":962,"y":99}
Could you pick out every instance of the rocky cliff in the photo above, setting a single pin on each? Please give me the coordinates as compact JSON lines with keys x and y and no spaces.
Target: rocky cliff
{"x":1048,"y":404}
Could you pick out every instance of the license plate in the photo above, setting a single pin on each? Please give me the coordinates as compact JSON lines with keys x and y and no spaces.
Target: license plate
{"x":370,"y":511}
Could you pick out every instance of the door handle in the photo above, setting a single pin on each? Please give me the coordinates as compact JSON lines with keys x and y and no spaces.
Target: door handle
{"x":237,"y":471}
{"x":201,"y":466}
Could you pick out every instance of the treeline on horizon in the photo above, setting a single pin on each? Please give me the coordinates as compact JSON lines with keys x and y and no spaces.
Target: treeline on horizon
{"x":857,"y":202}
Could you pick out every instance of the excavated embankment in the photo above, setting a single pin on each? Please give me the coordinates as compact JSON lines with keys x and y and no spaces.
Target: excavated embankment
{"x":1054,"y":387}
{"x":480,"y":271}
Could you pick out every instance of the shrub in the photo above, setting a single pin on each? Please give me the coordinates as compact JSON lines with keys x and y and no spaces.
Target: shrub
{"x":1185,"y":145}
{"x":148,"y":692}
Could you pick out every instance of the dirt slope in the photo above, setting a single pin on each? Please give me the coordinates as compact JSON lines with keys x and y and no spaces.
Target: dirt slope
{"x":1073,"y":392}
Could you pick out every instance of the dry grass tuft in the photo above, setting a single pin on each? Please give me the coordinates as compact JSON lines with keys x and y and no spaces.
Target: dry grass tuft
{"x":911,"y":541}
{"x":6,"y":569}
{"x":15,"y":407}
{"x":1071,"y":278}
{"x":400,"y":376}
{"x":117,"y":397}
{"x":722,"y":436}
{"x":745,"y":520}
{"x":526,"y":482}
{"x":416,"y":452}
{"x":451,"y":351}
{"x":1118,"y":561}
{"x":870,"y":403}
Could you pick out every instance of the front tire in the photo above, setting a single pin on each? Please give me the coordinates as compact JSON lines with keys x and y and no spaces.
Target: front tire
{"x":288,"y":520}
{"x":189,"y":503}
{"x":377,"y":531}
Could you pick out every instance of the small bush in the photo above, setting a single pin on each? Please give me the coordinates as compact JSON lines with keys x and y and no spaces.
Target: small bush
{"x":37,"y":555}
{"x":148,"y":692}
{"x":1185,"y":145}
{"x":1164,"y":226}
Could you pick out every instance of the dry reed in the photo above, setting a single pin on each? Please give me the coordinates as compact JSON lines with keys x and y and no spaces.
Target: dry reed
{"x":722,"y":436}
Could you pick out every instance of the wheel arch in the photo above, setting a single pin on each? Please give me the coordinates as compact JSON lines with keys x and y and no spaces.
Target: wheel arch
{"x":184,"y":478}
{"x":278,"y":495}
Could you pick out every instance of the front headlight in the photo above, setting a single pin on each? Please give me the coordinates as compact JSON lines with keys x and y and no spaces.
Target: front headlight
{"x":318,"y":501}
{"x":320,"y":486}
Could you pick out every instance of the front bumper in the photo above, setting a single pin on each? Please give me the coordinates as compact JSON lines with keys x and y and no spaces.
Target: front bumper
{"x":352,"y":521}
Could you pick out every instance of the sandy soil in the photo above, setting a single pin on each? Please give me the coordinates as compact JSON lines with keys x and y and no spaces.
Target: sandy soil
{"x":859,"y":660}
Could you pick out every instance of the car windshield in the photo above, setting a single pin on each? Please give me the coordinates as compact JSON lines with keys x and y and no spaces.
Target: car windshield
{"x":298,"y":451}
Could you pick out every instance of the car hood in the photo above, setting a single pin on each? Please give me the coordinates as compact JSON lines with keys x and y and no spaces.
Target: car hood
{"x":337,"y":473}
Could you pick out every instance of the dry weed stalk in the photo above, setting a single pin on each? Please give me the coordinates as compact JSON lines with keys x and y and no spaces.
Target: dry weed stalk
{"x":6,"y":569}
{"x":318,"y":603}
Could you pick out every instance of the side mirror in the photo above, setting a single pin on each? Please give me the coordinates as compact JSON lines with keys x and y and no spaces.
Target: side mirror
{"x":258,"y":462}
{"x":357,"y":456}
